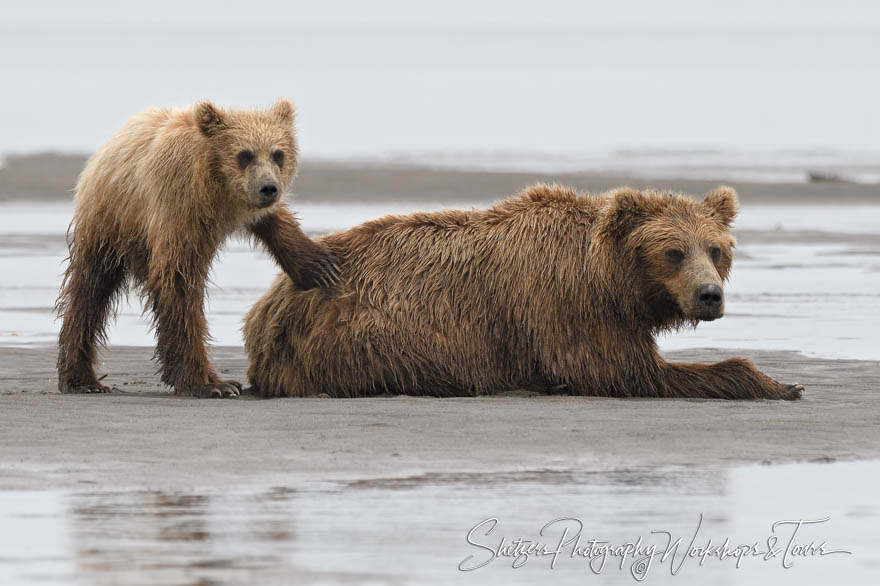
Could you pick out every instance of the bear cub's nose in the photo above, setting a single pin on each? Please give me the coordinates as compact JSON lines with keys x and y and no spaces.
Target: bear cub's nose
{"x":269,"y":192}
{"x":709,"y":296}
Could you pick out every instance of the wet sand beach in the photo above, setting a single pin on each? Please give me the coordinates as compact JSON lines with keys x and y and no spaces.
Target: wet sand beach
{"x":150,"y":488}
{"x":387,"y":437}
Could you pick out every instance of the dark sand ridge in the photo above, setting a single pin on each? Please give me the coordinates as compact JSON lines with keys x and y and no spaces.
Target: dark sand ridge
{"x":147,"y":437}
{"x":52,"y":177}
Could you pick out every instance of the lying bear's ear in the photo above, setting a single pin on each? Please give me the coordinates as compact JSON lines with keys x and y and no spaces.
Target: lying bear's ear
{"x":627,"y":209}
{"x":210,"y":118}
{"x":722,"y":204}
{"x":283,"y":110}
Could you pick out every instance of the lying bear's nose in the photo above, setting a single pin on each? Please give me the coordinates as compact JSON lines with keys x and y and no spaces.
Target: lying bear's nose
{"x":709,"y":296}
{"x":269,"y":191}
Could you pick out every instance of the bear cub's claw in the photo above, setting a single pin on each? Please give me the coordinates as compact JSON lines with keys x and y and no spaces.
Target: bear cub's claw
{"x":322,"y":272}
{"x":92,"y":389}
{"x":228,"y":389}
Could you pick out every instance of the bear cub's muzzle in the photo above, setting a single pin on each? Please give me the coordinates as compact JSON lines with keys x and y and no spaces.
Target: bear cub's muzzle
{"x":268,"y":194}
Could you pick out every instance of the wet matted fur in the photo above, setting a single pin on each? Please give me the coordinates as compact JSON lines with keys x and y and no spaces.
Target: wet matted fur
{"x":570,"y":288}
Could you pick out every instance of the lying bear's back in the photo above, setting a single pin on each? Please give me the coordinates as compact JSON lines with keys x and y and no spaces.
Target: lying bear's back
{"x":521,"y":238}
{"x":449,"y":295}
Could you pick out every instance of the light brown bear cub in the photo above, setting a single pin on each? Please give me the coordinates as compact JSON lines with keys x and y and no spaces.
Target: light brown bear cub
{"x":153,"y":206}
{"x":567,"y":288}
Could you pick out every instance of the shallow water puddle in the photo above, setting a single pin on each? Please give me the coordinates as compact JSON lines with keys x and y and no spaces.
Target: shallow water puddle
{"x":414,"y":528}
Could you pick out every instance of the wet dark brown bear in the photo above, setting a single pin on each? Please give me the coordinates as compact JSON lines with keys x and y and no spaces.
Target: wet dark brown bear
{"x":153,"y":206}
{"x":551,"y":284}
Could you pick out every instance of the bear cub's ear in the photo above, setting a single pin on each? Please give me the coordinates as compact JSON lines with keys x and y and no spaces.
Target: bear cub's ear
{"x":210,"y":118}
{"x":722,"y":204}
{"x":283,"y":110}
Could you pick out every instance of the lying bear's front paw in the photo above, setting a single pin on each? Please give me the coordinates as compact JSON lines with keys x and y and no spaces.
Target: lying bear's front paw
{"x":322,"y":271}
{"x":792,"y":392}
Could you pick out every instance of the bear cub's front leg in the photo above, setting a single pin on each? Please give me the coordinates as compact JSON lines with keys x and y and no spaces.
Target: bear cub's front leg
{"x":308,"y":263}
{"x":177,"y":297}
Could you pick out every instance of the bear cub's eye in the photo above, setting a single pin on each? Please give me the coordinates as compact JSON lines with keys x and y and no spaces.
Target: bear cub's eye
{"x":674,"y":256}
{"x":245,"y":158}
{"x":715,"y":251}
{"x":278,"y":157}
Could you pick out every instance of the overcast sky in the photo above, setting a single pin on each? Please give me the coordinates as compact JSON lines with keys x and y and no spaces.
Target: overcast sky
{"x":445,"y":14}
{"x":420,"y":91}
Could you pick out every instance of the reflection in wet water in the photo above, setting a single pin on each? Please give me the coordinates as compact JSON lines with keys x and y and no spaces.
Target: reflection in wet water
{"x":158,"y":537}
{"x":412,"y":529}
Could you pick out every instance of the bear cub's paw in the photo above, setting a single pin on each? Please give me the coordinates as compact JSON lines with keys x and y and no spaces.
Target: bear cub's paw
{"x":222,"y":389}
{"x":321,"y":271}
{"x":90,"y":389}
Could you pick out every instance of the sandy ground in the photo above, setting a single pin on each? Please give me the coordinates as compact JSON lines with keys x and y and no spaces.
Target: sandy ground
{"x":147,"y":437}
{"x":144,"y":487}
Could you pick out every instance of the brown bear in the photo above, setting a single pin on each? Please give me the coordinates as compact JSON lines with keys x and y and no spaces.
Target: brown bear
{"x":550,"y":285}
{"x":153,"y":206}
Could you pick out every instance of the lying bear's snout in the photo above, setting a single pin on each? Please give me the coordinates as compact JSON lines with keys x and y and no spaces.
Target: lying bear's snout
{"x":268,"y":193}
{"x":710,"y":301}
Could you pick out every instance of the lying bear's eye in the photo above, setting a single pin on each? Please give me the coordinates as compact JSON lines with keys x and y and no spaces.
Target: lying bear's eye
{"x":278,"y":157}
{"x":674,"y":256}
{"x":715,"y":251}
{"x":245,"y":158}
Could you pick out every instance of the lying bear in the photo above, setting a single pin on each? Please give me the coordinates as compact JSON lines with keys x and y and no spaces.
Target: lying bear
{"x":569,"y":288}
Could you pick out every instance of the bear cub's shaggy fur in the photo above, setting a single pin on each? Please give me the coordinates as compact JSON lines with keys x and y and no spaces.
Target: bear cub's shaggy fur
{"x":153,"y":206}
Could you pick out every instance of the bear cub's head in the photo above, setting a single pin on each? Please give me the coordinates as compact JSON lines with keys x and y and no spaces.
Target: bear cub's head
{"x":254,"y":151}
{"x":682,"y":248}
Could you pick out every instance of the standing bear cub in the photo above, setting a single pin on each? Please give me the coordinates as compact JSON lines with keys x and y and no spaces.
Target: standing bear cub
{"x":551,"y":284}
{"x":153,"y":206}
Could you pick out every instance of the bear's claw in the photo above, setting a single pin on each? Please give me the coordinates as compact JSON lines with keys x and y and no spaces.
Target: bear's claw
{"x":92,"y":389}
{"x":228,"y":389}
{"x":323,"y":272}
{"x":795,"y":392}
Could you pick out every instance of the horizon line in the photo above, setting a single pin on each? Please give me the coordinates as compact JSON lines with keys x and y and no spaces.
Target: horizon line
{"x":128,"y":28}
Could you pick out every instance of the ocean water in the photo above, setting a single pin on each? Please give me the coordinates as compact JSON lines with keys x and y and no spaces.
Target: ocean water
{"x":805,"y":278}
{"x":765,"y":106}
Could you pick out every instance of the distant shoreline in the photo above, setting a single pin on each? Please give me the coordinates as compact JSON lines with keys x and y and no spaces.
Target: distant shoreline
{"x":52,"y":177}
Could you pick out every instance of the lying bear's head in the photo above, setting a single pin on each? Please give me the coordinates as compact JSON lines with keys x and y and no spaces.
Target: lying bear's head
{"x":681,"y":249}
{"x":254,"y":151}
